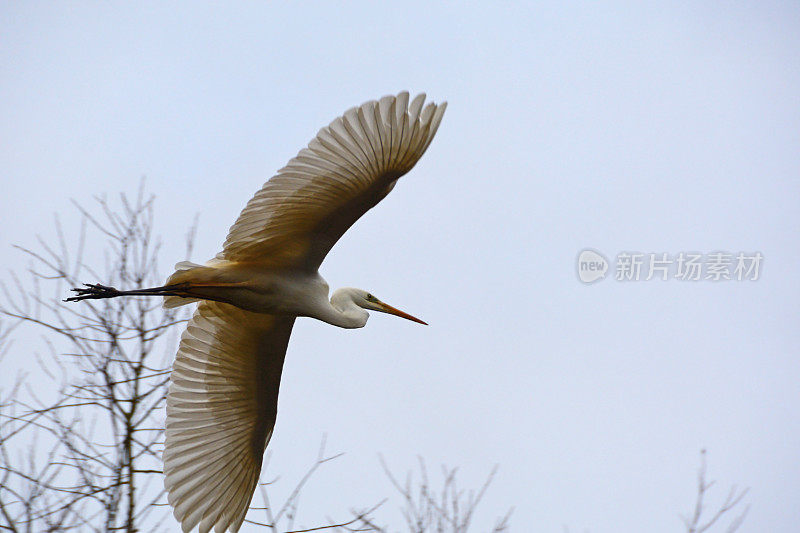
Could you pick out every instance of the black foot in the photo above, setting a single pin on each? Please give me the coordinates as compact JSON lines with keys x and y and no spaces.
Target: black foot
{"x":93,"y":292}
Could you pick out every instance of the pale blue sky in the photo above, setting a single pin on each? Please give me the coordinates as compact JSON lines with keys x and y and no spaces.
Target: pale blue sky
{"x":621,"y":127}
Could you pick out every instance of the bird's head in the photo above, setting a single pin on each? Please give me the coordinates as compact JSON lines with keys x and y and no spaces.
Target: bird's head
{"x":367,"y":300}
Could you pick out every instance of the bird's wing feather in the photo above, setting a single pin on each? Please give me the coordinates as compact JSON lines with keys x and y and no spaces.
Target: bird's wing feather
{"x":300,"y":213}
{"x":221,"y":409}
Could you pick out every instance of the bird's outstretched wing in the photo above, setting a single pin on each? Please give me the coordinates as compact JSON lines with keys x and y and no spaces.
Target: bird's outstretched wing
{"x":221,"y":409}
{"x":352,"y":164}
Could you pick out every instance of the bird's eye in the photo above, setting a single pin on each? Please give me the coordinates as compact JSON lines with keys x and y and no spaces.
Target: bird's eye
{"x":370,"y":297}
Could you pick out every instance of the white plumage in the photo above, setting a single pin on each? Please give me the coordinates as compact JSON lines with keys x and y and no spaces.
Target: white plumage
{"x":223,"y":394}
{"x":220,"y":411}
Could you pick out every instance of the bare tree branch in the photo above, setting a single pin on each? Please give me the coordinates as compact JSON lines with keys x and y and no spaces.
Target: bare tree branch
{"x":101,"y":421}
{"x":448,"y":510}
{"x":694,"y":523}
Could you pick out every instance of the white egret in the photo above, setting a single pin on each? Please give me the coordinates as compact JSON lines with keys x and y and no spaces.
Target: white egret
{"x":223,"y":393}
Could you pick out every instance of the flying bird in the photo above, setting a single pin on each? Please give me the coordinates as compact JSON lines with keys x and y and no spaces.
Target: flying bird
{"x":223,"y":393}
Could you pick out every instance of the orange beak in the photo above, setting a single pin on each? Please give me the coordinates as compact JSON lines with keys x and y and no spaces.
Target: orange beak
{"x":394,"y":311}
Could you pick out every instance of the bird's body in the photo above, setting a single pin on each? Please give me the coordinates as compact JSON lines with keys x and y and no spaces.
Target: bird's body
{"x":273,"y":291}
{"x":253,"y":287}
{"x":222,"y":400}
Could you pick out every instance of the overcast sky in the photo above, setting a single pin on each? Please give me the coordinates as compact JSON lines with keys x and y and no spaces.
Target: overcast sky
{"x":627,"y":127}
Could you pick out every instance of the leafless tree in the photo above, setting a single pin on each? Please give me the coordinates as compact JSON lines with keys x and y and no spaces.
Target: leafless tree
{"x":699,"y":521}
{"x":281,"y":518}
{"x":98,"y":420}
{"x":425,"y":508}
{"x":446,"y":509}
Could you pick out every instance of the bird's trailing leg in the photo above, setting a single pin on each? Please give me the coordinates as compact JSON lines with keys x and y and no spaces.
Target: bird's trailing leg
{"x":95,"y":291}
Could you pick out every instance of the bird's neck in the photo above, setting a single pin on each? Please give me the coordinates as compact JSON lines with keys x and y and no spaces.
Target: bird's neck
{"x":343,"y":312}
